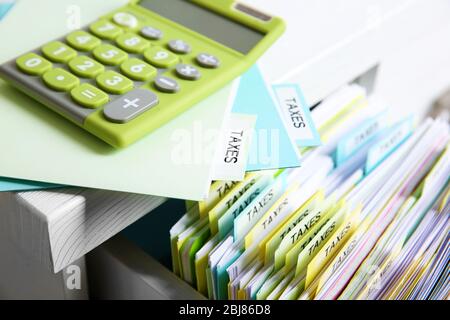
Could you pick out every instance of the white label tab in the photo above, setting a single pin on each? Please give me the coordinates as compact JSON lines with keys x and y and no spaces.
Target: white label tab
{"x":296,"y":115}
{"x":232,"y":154}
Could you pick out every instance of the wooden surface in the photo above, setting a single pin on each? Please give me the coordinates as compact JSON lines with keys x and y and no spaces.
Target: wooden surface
{"x":58,"y":227}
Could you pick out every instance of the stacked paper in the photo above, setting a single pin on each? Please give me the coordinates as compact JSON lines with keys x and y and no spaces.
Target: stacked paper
{"x":365,"y":217}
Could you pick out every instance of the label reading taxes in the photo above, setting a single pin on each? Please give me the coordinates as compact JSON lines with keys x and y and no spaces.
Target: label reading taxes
{"x":229,"y":199}
{"x":224,"y":188}
{"x":234,"y":146}
{"x":309,"y":252}
{"x":333,"y":244}
{"x":293,"y":221}
{"x":234,"y":153}
{"x":276,"y":213}
{"x":240,"y":192}
{"x":296,"y":115}
{"x":299,"y":237}
{"x":218,"y":190}
{"x":303,"y":228}
{"x":359,"y":137}
{"x":340,"y":235}
{"x":293,"y":254}
{"x":387,"y":145}
{"x":342,"y":255}
{"x":246,"y":220}
{"x":225,"y":223}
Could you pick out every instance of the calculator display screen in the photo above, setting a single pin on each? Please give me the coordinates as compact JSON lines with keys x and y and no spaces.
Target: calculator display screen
{"x":212,"y":25}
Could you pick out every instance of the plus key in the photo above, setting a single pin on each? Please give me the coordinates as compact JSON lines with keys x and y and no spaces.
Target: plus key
{"x":130,"y":106}
{"x":187,"y":72}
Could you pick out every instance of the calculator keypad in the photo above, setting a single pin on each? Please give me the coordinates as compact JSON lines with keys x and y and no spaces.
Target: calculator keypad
{"x":89,"y":96}
{"x":58,"y":52}
{"x":83,"y":41}
{"x":33,"y":64}
{"x":131,"y":105}
{"x":86,"y":67}
{"x":60,"y":80}
{"x":105,"y":30}
{"x":188,"y":72}
{"x":132,"y":43}
{"x":208,"y":60}
{"x":110,"y":55}
{"x":126,"y":20}
{"x":179,"y":46}
{"x":166,"y":84}
{"x":161,"y":57}
{"x":114,"y":82}
{"x":138,"y":70}
{"x":151,"y":33}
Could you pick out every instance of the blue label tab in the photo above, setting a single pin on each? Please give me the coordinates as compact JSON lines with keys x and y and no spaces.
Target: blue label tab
{"x":296,"y":115}
{"x":393,"y":139}
{"x":359,"y":137}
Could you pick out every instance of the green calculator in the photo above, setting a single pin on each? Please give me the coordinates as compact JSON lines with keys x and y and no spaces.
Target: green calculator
{"x":137,"y":68}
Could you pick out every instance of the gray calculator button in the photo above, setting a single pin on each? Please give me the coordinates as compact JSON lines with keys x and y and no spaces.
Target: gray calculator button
{"x":187,"y":72}
{"x":129,"y":106}
{"x":208,"y":60}
{"x":151,"y":33}
{"x":166,"y":84}
{"x":179,"y":46}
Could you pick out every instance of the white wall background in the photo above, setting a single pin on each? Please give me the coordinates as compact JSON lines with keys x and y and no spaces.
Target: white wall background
{"x":330,"y":42}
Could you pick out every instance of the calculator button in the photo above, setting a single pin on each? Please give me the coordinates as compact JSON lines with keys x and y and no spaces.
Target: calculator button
{"x":179,"y":46}
{"x":89,"y":96}
{"x":33,"y":64}
{"x":125,"y":20}
{"x":114,"y":82}
{"x":83,"y":41}
{"x":58,"y":52}
{"x":105,"y":30}
{"x":128,"y":107}
{"x":187,"y":72}
{"x":151,"y":33}
{"x":160,"y":57}
{"x":60,"y":80}
{"x":208,"y":60}
{"x":110,"y":55}
{"x":166,"y":84}
{"x":86,"y":67}
{"x":138,"y":70}
{"x":132,"y":43}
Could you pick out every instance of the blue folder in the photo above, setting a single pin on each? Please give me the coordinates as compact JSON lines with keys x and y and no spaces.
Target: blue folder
{"x":271,"y":147}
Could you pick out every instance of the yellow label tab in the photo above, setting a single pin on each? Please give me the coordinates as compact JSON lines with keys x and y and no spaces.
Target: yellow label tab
{"x":268,"y":251}
{"x":332,"y":245}
{"x":218,"y":190}
{"x":342,"y":255}
{"x":309,"y":252}
{"x":271,"y":217}
{"x":229,"y":199}
{"x":302,"y":234}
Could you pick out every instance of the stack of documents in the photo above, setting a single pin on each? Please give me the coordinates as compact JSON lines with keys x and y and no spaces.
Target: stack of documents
{"x":365,"y":217}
